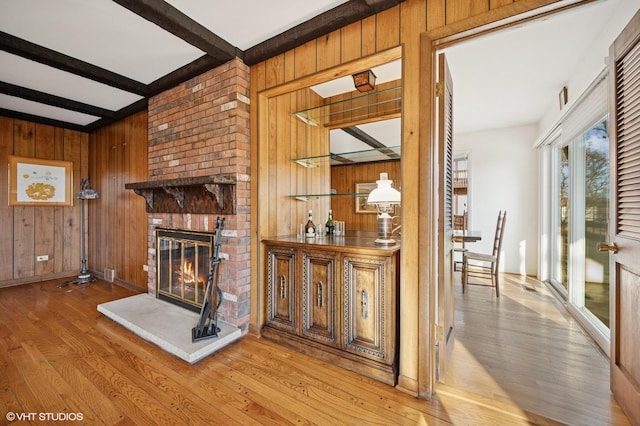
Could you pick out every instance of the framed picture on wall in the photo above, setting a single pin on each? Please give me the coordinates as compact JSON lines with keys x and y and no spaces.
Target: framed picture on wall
{"x":39,"y":182}
{"x":361,"y":200}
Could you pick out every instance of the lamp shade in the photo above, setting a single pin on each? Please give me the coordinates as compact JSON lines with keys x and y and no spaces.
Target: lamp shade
{"x":364,"y":81}
{"x":384,"y":194}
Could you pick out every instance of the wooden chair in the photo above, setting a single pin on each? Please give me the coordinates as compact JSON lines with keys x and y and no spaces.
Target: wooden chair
{"x":459,"y":224}
{"x":485,"y":266}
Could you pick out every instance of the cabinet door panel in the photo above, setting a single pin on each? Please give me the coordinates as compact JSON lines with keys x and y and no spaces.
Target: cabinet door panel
{"x":319,"y":297}
{"x":281,"y":289}
{"x":365,"y":319}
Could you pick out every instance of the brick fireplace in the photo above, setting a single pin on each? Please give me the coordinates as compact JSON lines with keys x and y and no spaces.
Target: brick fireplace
{"x":199,"y":132}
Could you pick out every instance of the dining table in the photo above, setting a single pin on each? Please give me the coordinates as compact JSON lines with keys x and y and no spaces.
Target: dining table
{"x":466,"y":236}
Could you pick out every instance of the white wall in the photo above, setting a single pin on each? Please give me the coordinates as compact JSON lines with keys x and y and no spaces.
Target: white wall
{"x":594,"y":61}
{"x":503,"y":175}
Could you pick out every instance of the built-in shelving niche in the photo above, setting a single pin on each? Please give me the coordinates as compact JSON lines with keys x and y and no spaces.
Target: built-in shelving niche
{"x":382,"y":104}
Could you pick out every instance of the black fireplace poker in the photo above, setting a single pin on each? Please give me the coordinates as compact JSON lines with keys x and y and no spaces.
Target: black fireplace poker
{"x":207,"y":326}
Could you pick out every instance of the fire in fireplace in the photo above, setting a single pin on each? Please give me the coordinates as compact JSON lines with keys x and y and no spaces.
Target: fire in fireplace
{"x":182,"y":258}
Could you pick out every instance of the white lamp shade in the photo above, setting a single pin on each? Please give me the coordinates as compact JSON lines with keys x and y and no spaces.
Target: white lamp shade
{"x":384,"y":194}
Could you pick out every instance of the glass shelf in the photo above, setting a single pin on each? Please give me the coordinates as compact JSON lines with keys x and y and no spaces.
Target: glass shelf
{"x":377,"y":103}
{"x":363,"y":156}
{"x":307,"y":197}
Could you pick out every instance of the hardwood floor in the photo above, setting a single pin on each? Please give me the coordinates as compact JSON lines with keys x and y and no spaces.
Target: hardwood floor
{"x":524,"y":348}
{"x":59,"y":355}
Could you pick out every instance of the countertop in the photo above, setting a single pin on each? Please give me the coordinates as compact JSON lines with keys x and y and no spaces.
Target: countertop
{"x":361,"y":240}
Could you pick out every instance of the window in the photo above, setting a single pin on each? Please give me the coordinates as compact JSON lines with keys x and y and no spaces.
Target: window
{"x":577,"y":210}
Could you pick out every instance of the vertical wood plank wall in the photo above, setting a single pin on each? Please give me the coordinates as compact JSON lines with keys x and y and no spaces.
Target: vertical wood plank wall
{"x":30,"y":231}
{"x":344,"y":179}
{"x":402,"y":26}
{"x":118,"y":219}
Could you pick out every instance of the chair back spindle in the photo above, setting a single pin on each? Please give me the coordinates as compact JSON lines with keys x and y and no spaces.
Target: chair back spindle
{"x":485,"y":266}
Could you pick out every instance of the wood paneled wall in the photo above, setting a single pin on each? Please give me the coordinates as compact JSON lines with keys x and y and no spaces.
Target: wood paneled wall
{"x":344,"y":179}
{"x":297,"y":140}
{"x":30,"y":231}
{"x":411,"y":27}
{"x":118,"y":219}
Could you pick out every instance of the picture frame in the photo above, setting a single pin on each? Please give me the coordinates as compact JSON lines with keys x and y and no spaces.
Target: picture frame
{"x":40,"y":182}
{"x":361,"y":200}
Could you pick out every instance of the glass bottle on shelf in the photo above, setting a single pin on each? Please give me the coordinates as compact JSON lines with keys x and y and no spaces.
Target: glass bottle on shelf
{"x":310,"y":227}
{"x":329,"y":225}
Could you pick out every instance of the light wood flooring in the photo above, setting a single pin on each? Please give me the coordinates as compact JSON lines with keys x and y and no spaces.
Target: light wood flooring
{"x":524,"y":349}
{"x":59,"y":355}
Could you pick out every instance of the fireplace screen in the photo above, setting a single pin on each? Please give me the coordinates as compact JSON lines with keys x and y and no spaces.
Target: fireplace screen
{"x":183,"y":266}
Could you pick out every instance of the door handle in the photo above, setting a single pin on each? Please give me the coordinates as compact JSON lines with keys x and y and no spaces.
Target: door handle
{"x":603,"y":247}
{"x":283,"y":287}
{"x":364,"y":304}
{"x":320,"y":295}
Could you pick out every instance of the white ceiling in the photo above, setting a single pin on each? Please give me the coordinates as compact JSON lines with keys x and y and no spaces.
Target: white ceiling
{"x":513,"y":77}
{"x":246,"y":23}
{"x":107,"y":35}
{"x":508,"y":78}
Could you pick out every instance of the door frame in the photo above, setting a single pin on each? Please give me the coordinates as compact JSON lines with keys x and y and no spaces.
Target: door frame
{"x":430,"y":43}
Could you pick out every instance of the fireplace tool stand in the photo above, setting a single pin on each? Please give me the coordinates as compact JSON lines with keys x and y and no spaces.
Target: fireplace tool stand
{"x":207,"y":326}
{"x":86,"y":193}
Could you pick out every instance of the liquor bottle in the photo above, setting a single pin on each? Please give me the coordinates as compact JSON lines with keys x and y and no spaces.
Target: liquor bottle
{"x":310,"y":228}
{"x":329,"y":225}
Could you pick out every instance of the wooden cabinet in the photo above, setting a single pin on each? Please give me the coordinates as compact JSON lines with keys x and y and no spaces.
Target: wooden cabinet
{"x":367,"y":312}
{"x":281,"y":288}
{"x":336,"y":300}
{"x":319,"y":313}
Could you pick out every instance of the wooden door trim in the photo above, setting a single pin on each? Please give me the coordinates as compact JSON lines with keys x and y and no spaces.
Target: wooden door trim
{"x":431,"y":41}
{"x":502,"y":18}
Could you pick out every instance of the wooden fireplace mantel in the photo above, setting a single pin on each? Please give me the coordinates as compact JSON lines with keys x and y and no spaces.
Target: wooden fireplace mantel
{"x":200,"y":195}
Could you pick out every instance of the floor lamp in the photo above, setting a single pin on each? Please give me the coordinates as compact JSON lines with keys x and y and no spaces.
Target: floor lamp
{"x":86,"y":193}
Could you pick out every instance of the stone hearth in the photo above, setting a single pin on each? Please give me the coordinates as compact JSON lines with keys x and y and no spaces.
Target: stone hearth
{"x":167,"y":326}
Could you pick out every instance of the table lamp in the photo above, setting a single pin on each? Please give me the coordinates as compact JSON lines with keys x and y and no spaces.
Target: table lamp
{"x":384,"y":198}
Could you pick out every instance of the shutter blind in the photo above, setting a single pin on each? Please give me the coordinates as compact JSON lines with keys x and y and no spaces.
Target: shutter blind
{"x":627,"y":92}
{"x":448,"y":118}
{"x":589,"y":110}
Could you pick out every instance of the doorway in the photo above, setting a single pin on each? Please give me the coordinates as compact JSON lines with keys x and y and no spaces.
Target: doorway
{"x":521,"y":248}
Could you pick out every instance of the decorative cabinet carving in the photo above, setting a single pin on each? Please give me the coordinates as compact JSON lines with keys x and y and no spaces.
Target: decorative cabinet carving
{"x":319,"y":313}
{"x":366,"y":311}
{"x":281,"y":288}
{"x":344,"y":298}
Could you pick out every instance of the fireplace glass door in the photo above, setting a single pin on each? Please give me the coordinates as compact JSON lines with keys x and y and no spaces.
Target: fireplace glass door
{"x":183,"y":266}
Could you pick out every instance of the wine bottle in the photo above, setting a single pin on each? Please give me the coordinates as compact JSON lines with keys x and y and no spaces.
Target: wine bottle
{"x":329,"y":225}
{"x":310,"y":228}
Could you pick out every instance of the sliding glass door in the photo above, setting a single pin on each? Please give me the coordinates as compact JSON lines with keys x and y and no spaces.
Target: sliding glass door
{"x":576,"y":196}
{"x":579,"y":221}
{"x":595,"y":147}
{"x":560,"y":220}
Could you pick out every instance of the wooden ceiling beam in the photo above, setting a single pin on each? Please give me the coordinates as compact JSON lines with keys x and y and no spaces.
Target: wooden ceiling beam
{"x":135,"y":107}
{"x":199,"y":66}
{"x":53,"y":100}
{"x":41,"y":120}
{"x":331,"y":20}
{"x":177,"y":23}
{"x":371,"y":141}
{"x":34,"y":52}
